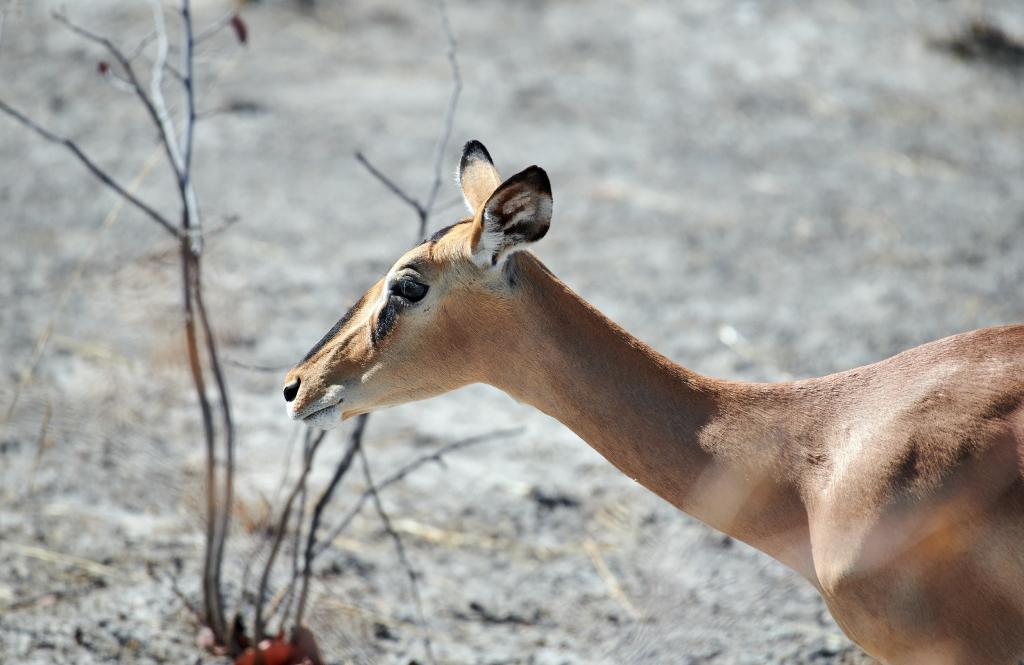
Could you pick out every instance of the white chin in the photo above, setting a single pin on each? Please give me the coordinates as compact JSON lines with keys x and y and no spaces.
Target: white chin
{"x":328,"y":418}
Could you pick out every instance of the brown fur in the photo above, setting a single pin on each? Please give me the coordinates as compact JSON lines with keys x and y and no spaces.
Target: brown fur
{"x":897,"y":489}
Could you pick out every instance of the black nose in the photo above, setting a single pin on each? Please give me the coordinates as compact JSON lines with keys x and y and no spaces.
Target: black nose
{"x":291,"y":390}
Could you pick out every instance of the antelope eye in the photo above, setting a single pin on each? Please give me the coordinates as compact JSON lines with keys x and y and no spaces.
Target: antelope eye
{"x":410,"y":289}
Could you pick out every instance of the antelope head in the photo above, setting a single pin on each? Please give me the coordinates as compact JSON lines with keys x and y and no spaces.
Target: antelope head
{"x":430,"y":325}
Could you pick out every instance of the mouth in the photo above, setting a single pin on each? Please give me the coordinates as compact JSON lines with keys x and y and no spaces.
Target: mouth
{"x":326,"y":418}
{"x":320,"y":417}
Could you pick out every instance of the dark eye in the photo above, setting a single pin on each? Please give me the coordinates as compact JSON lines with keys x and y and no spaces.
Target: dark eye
{"x":410,"y":289}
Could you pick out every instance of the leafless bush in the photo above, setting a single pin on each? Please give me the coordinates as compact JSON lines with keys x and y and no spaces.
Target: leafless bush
{"x":303,"y":542}
{"x":177,"y":139}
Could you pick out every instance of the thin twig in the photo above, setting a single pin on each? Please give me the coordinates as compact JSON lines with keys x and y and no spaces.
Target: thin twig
{"x":612,"y":582}
{"x":391,"y":185}
{"x":228,"y":432}
{"x":449,"y":114}
{"x":311,"y":443}
{"x":173,"y":157}
{"x":435,"y":456}
{"x":355,"y":444}
{"x":217,"y":516}
{"x":179,"y":159}
{"x":424,"y":209}
{"x":188,"y":133}
{"x":162,"y":116}
{"x":43,"y":554}
{"x":215,"y":27}
{"x":264,"y":538}
{"x":117,"y":81}
{"x":287,"y":464}
{"x":289,"y":593}
{"x":42,"y":443}
{"x":403,"y":557}
{"x":141,"y":46}
{"x":211,"y":594}
{"x":95,"y":169}
{"x":185,"y":600}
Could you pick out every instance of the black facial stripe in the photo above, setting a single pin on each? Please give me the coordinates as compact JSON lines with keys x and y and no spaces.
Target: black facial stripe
{"x":335,"y":329}
{"x":385,"y":321}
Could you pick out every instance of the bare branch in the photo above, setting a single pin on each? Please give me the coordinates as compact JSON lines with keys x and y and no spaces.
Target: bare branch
{"x":403,"y":558}
{"x":395,"y":189}
{"x":215,"y":27}
{"x":156,"y":87}
{"x":193,"y":222}
{"x":130,"y":77}
{"x":264,"y":539}
{"x":228,"y":432}
{"x":436,"y":456}
{"x":449,"y":114}
{"x":95,"y":169}
{"x":188,"y":134}
{"x":211,"y":593}
{"x":424,"y":209}
{"x":115,"y":80}
{"x":179,"y":158}
{"x":159,"y":115}
{"x":355,"y":444}
{"x":311,"y":443}
{"x":289,"y":596}
{"x":91,"y":36}
{"x":141,"y":46}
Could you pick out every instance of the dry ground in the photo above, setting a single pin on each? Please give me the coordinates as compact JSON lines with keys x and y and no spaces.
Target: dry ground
{"x":759,"y":190}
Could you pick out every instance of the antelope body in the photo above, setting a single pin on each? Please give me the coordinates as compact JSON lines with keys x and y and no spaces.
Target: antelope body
{"x":896,"y":489}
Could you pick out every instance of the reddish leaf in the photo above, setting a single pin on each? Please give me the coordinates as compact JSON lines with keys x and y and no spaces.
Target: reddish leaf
{"x":241,"y":30}
{"x":103,"y":67}
{"x":302,"y":650}
{"x":269,"y":652}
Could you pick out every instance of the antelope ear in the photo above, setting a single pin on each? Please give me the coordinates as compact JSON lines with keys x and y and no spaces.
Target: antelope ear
{"x":477,"y":176}
{"x":517,"y":213}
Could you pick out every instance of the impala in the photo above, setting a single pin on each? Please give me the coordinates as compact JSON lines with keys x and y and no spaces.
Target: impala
{"x":896,"y":489}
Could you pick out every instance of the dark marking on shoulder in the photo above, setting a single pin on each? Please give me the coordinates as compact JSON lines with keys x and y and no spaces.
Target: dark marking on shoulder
{"x":907,"y":469}
{"x":335,"y":329}
{"x":1002,"y":408}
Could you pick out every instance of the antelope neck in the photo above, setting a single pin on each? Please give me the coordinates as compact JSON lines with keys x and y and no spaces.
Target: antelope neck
{"x":723,"y":451}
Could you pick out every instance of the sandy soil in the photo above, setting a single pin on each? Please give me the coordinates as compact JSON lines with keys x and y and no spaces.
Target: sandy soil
{"x":759,"y":190}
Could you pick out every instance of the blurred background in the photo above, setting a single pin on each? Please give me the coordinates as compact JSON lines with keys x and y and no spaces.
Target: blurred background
{"x":759,"y":190}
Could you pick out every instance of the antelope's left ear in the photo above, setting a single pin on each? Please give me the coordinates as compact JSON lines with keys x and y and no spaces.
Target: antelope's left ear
{"x":517,"y":213}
